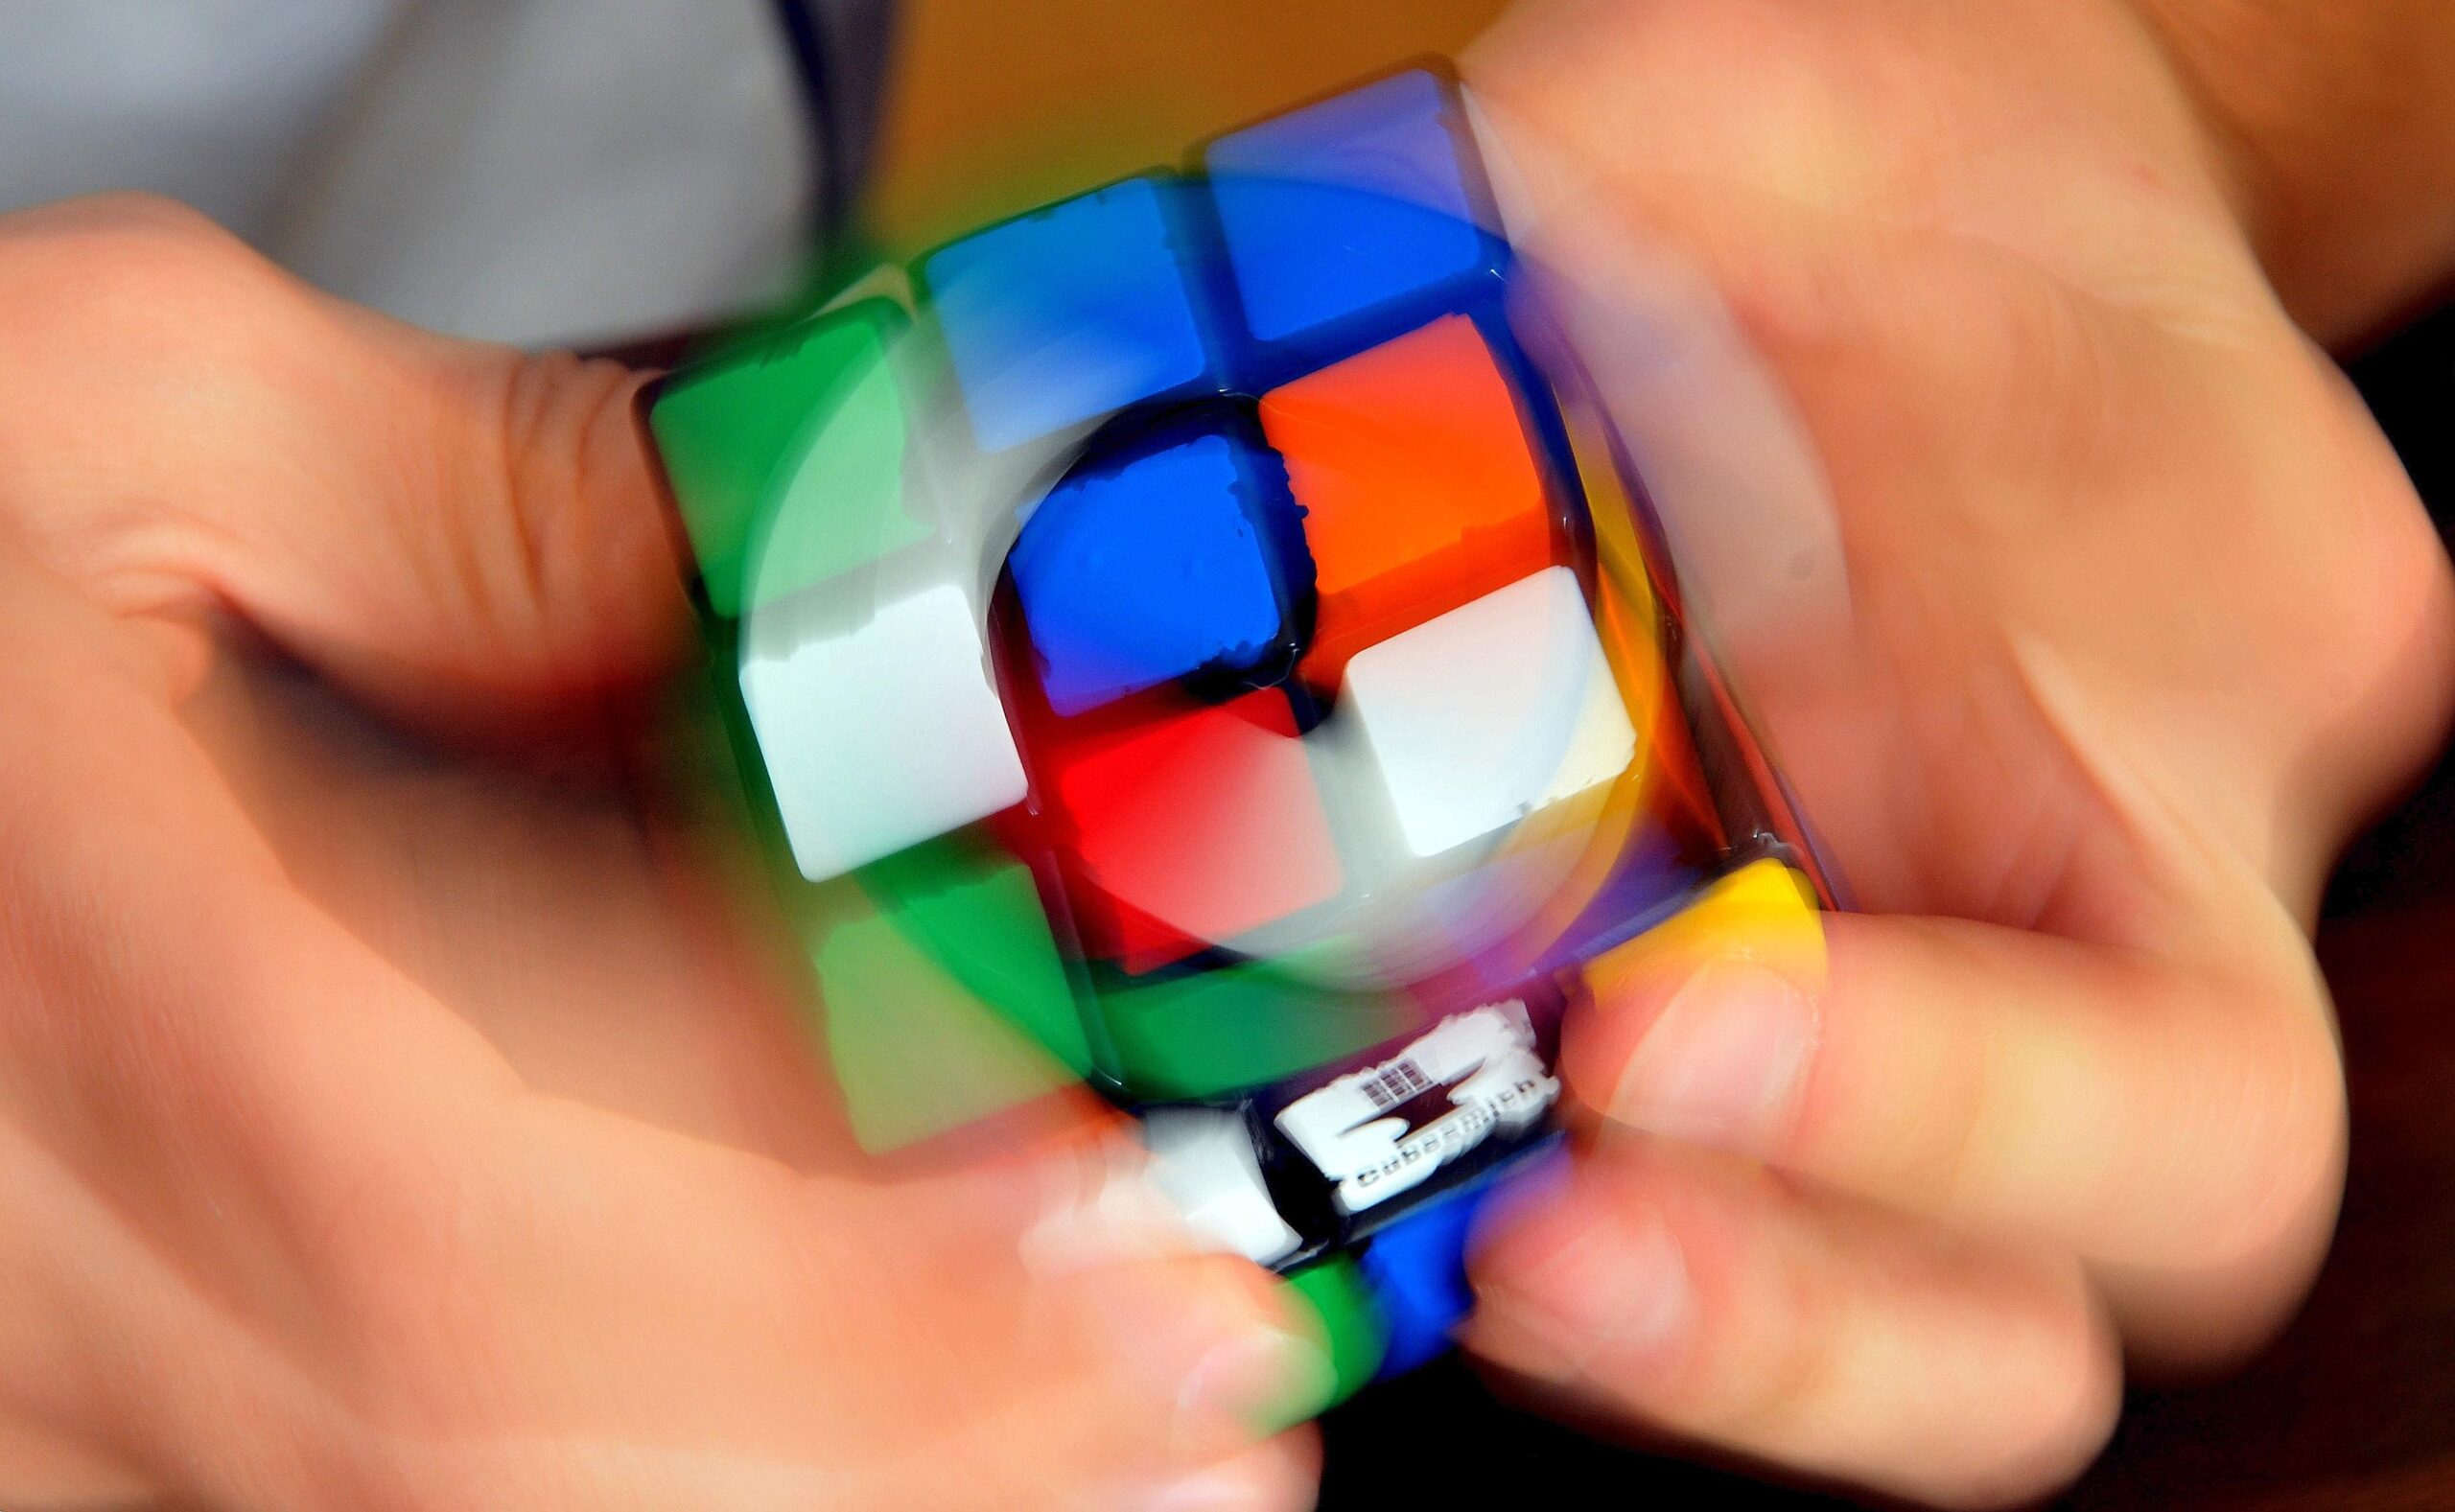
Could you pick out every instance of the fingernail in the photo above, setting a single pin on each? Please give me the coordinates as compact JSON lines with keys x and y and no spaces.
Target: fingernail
{"x":1268,"y":1380}
{"x":1215,"y":1355}
{"x":1723,"y":1063}
{"x":1265,"y":1479}
{"x":1615,"y":1288}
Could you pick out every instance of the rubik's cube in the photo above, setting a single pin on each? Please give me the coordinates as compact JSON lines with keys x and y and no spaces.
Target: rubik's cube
{"x":1182,"y":638}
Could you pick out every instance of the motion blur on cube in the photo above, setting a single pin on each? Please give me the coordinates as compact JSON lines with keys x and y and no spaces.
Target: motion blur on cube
{"x":1202,"y":638}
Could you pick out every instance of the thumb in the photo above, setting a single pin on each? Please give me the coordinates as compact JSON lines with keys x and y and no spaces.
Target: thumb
{"x":467,"y":536}
{"x":2173,"y":1117}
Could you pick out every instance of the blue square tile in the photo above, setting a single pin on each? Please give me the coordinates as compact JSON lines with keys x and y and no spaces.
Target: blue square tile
{"x":1417,"y":1270}
{"x":1069,"y":313}
{"x":1366,"y":197}
{"x":1417,"y":1266}
{"x":1162,"y":563}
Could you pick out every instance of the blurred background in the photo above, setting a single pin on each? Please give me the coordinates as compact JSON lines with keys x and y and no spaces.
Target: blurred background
{"x":615,"y":174}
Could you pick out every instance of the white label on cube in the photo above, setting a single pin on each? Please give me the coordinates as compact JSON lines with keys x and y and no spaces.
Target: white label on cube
{"x":1385,"y":1129}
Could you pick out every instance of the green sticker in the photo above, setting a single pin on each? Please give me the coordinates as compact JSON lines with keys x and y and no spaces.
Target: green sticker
{"x":1341,"y":1300}
{"x":976,"y":910}
{"x":789,"y":457}
{"x":1241,"y":1026}
{"x":942,"y":995}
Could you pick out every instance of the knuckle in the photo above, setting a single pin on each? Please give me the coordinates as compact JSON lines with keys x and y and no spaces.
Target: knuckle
{"x":1763,"y":1348}
{"x":555,"y":410}
{"x":2312,"y":1134}
{"x":2270,"y":1145}
{"x":1778,"y":1374}
{"x":2068,"y":1396}
{"x":134,"y":268}
{"x":1954,"y":1153}
{"x":568,"y":521}
{"x":1904,"y":1098}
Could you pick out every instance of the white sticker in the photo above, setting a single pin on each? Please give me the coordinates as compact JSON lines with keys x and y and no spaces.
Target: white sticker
{"x":1387,"y":1129}
{"x":1203,"y":1161}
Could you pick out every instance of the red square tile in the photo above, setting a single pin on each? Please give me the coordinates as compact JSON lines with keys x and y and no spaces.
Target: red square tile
{"x":1190,"y":830}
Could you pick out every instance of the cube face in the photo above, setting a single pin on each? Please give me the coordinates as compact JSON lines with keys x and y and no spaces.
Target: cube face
{"x":1419,"y":482}
{"x":1362,"y":200}
{"x":881,"y":729}
{"x":1403,"y":483}
{"x":1235,"y":689}
{"x":1159,"y":566}
{"x":1069,"y":313}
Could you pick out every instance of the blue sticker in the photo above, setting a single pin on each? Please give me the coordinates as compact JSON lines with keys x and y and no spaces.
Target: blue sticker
{"x":1153,"y":567}
{"x":1069,"y":313}
{"x":1418,"y":1268}
{"x":1350,"y":204}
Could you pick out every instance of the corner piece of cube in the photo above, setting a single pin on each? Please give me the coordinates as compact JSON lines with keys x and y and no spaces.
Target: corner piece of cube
{"x":880,"y":726}
{"x":789,"y":456}
{"x":1371,"y":197}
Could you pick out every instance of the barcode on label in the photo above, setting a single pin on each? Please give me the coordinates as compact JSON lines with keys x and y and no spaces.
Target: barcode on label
{"x":1395,"y":1084}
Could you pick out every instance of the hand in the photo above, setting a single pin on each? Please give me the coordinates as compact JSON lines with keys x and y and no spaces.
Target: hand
{"x":2143,"y":618}
{"x":387,"y":1128}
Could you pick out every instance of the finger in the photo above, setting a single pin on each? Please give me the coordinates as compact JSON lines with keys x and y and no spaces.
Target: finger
{"x":2161,"y":1120}
{"x":462,"y":533}
{"x":251,"y":1158}
{"x":1699,"y":1296}
{"x":1281,"y":1476}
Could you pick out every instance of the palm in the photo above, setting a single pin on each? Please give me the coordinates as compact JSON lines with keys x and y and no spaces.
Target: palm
{"x":443,"y":1126}
{"x":597,"y":948}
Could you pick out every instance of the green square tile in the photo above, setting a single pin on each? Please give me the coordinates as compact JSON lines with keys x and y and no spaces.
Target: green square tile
{"x":976,"y":909}
{"x":942,"y":998}
{"x":1208,"y":1033}
{"x":789,"y":456}
{"x":1341,"y":1300}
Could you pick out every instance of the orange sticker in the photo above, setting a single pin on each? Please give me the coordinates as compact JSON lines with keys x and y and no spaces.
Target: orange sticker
{"x":1419,"y":482}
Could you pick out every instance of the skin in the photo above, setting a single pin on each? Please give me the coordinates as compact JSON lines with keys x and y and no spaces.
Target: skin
{"x":2145,"y":618}
{"x":387,"y":1125}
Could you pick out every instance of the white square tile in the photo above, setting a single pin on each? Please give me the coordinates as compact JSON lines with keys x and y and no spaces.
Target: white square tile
{"x":1490,"y":714}
{"x":1203,"y":1162}
{"x":879,"y":725}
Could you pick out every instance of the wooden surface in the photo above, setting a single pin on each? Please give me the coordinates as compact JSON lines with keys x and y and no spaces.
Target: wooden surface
{"x":1002,"y":105}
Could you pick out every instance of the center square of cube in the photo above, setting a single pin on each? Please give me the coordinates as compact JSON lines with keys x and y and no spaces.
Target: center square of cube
{"x":1170,"y":553}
